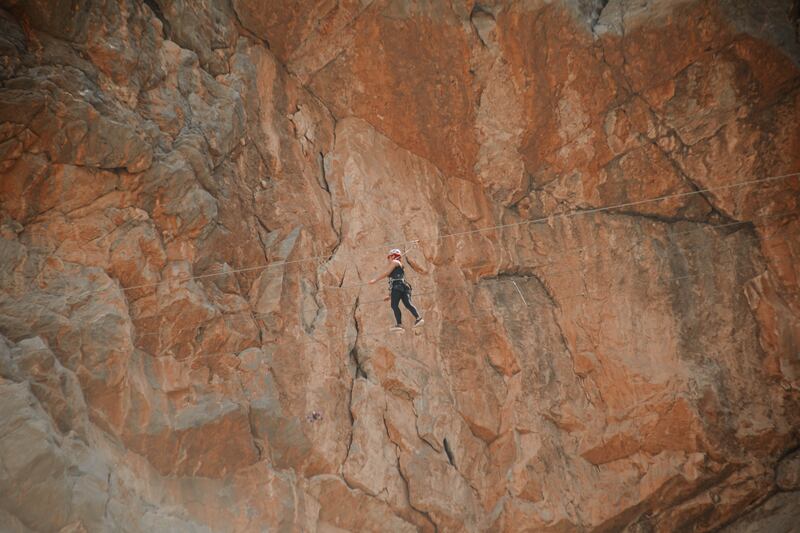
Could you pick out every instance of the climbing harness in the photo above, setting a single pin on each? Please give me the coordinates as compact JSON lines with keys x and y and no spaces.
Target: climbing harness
{"x":397,"y":278}
{"x":399,"y":284}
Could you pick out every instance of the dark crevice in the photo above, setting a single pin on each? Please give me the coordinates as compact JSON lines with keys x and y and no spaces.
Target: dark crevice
{"x":340,"y":54}
{"x":156,"y":9}
{"x":244,"y":31}
{"x":596,"y":13}
{"x":449,"y":452}
{"x":555,"y":307}
{"x":352,"y":427}
{"x":264,"y":246}
{"x":527,"y":187}
{"x":664,"y":219}
{"x":644,"y":513}
{"x":422,"y":512}
{"x":788,"y":452}
{"x":479,"y":12}
{"x":259,"y":450}
{"x":406,"y":484}
{"x":324,"y":180}
{"x":326,"y":187}
{"x":360,"y":372}
{"x":715,"y":211}
{"x":478,"y":8}
{"x":108,"y":496}
{"x":354,"y":354}
{"x":743,"y":511}
{"x":355,"y":322}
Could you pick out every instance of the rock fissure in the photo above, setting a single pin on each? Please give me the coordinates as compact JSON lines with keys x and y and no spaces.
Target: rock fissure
{"x":108,"y":496}
{"x":253,"y":432}
{"x":245,"y":32}
{"x":598,"y":6}
{"x":692,"y":183}
{"x":406,"y":483}
{"x":354,"y":356}
{"x":663,"y":219}
{"x":449,"y":452}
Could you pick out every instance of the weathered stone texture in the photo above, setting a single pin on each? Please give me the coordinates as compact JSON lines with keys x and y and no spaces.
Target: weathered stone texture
{"x":194,"y":194}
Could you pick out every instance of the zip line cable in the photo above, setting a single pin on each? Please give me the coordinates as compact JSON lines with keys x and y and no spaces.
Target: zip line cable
{"x":427,"y":292}
{"x":383,"y":333}
{"x":561,"y":253}
{"x":259,"y":316}
{"x":299,"y":343}
{"x":256,"y":316}
{"x":569,"y":214}
{"x":627,"y":204}
{"x":501,"y":226}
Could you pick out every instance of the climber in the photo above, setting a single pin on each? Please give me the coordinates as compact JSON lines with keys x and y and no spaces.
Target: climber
{"x":399,"y":288}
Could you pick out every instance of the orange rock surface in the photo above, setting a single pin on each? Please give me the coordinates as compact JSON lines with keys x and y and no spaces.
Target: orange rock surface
{"x":601,"y":197}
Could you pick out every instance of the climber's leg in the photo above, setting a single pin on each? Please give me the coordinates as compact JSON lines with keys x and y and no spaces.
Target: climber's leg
{"x":395,"y":300}
{"x":407,"y":302}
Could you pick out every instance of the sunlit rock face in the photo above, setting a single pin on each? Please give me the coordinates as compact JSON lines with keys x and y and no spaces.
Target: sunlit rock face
{"x":194,"y":194}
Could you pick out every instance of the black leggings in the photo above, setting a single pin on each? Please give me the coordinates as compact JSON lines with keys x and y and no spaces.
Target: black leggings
{"x":400,"y":294}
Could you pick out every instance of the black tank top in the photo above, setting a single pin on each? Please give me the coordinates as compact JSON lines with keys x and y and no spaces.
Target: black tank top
{"x":397,"y":273}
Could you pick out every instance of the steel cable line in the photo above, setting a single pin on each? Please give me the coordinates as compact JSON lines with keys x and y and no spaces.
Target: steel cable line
{"x":359,"y":334}
{"x":428,"y":291}
{"x":383,"y":333}
{"x":258,"y":316}
{"x":626,"y":204}
{"x":703,"y":229}
{"x":555,"y":216}
{"x":679,"y":252}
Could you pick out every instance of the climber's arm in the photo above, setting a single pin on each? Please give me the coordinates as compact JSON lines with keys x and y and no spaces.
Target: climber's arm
{"x":416,"y":266}
{"x":392,"y":265}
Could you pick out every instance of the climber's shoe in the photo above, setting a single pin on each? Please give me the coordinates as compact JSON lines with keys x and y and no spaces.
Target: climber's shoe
{"x":419,"y":322}
{"x":396,"y":327}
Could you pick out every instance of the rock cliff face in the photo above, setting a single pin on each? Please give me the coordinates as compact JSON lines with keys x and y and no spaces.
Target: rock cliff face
{"x":194,"y":193}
